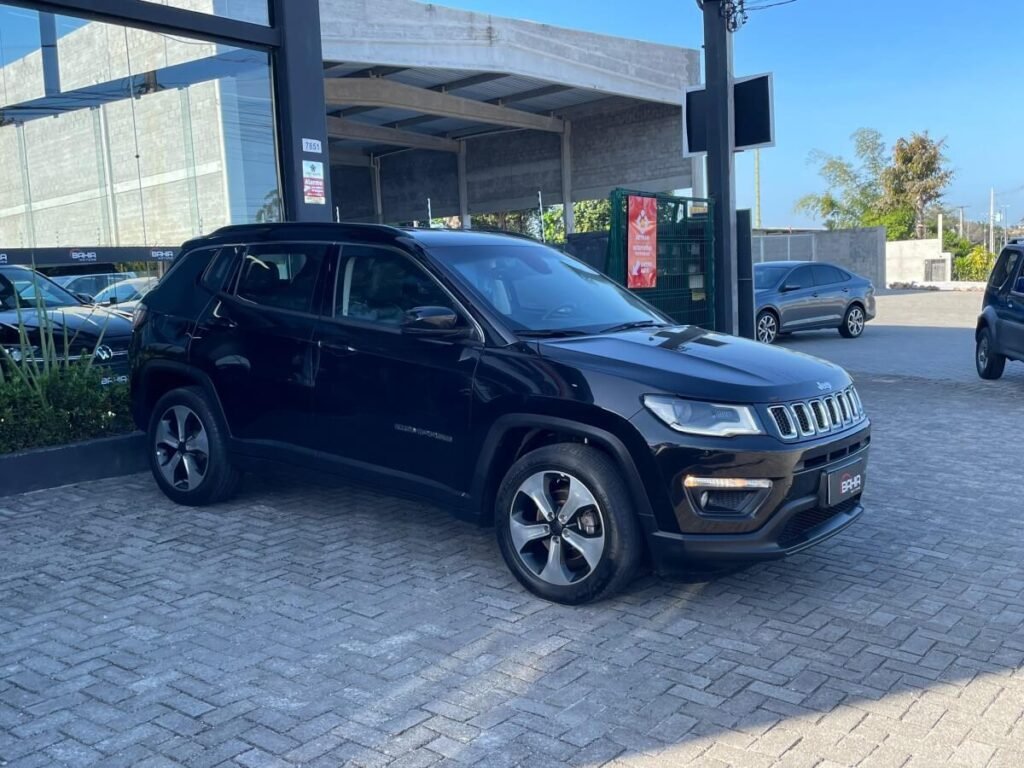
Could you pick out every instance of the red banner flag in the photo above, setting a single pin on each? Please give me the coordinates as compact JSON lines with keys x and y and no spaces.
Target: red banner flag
{"x":642,"y":247}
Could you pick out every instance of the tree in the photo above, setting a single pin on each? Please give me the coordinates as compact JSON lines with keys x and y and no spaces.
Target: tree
{"x":876,"y":191}
{"x":917,"y":176}
{"x":854,"y":187}
{"x":976,"y":265}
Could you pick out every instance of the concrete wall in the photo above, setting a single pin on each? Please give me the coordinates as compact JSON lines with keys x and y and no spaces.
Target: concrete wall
{"x":859,"y":250}
{"x":906,"y":261}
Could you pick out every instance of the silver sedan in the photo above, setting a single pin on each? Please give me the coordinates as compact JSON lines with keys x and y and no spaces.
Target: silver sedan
{"x":804,"y":296}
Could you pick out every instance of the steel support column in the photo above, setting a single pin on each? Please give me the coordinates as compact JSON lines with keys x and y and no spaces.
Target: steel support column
{"x":464,"y":217}
{"x":301,"y":110}
{"x":721,"y":163}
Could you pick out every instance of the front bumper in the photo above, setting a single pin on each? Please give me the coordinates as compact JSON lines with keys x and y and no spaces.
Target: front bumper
{"x":800,"y":524}
{"x":795,"y":514}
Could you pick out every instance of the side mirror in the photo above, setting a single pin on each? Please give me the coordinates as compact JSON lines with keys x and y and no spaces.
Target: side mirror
{"x":112,"y":301}
{"x":431,"y":321}
{"x":789,"y":287}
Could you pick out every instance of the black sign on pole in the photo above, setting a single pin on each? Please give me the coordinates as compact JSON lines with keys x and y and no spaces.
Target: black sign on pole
{"x":755,"y":115}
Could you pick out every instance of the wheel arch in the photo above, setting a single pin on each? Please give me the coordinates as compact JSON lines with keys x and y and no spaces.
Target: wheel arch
{"x":515,"y":434}
{"x":159,"y":377}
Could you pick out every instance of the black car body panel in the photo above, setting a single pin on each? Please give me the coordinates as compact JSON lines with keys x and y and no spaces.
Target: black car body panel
{"x":1003,"y":304}
{"x":443,"y":416}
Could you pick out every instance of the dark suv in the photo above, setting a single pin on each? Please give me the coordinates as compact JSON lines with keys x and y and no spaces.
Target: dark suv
{"x":505,"y":381}
{"x":1000,"y":332}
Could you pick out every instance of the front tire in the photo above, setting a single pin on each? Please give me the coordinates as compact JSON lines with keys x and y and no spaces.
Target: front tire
{"x":853,"y":322}
{"x":767,"y":327}
{"x":188,"y":449}
{"x":566,"y":526}
{"x":990,"y":363}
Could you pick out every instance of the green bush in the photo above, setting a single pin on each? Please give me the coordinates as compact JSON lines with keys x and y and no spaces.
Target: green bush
{"x":975,"y":266}
{"x":64,"y":405}
{"x":50,"y":392}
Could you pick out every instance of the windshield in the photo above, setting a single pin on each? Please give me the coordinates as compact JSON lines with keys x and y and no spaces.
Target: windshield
{"x":768,"y":277}
{"x":536,"y":288}
{"x":29,"y":290}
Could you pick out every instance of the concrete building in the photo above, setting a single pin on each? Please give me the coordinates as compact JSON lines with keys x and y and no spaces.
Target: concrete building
{"x":118,"y":130}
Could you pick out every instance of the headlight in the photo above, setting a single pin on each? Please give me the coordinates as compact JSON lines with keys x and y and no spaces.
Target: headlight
{"x":699,"y":418}
{"x":17,"y":353}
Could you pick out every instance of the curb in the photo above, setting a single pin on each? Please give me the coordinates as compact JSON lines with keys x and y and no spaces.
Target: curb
{"x":42,"y":468}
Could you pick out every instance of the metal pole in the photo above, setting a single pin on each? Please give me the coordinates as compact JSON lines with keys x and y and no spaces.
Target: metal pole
{"x":961,"y":222}
{"x":757,"y":189}
{"x":430,"y":216}
{"x":721,"y":163}
{"x":540,"y":211}
{"x":745,"y":274}
{"x":992,"y":221}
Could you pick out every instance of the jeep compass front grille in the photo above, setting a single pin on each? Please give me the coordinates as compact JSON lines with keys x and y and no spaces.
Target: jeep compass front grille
{"x":822,"y":416}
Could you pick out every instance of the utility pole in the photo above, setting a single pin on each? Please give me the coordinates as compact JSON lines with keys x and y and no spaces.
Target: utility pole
{"x":1004,"y":211}
{"x":961,"y":207}
{"x":757,"y":189}
{"x":992,"y":221}
{"x":721,"y":129}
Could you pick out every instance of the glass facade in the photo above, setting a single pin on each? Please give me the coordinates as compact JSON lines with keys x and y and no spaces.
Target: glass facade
{"x":116,"y":136}
{"x":254,"y":11}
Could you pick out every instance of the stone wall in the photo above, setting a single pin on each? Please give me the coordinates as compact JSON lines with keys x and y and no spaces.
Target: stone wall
{"x":861,"y":251}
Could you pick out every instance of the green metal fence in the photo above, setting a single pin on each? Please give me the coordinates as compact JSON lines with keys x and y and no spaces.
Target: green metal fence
{"x":685,"y":285}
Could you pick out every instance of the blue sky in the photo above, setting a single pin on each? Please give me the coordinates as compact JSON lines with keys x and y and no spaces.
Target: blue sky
{"x":946,"y":66}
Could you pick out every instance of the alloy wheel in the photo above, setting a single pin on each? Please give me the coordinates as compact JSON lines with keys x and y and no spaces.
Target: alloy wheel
{"x":767,"y":328}
{"x":182,"y":448}
{"x":557,"y":528}
{"x":983,"y":353}
{"x":855,"y":321}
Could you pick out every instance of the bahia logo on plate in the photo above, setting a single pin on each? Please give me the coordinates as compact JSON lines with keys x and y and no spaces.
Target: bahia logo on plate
{"x":77,"y":255}
{"x":850,"y":483}
{"x":3,"y":258}
{"x":162,"y":255}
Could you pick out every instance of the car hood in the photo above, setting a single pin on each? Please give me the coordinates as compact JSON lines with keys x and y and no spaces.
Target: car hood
{"x":691,"y":362}
{"x":84,"y":323}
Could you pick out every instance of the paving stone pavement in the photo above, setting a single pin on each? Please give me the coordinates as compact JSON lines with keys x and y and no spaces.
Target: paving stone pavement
{"x":300,"y":626}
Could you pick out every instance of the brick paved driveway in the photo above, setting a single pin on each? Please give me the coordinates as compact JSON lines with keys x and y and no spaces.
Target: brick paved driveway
{"x":322,"y":626}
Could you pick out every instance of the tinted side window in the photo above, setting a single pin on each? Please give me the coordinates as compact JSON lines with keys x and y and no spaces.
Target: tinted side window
{"x":176,"y":293}
{"x":221,"y":266}
{"x":800,"y":278}
{"x":281,"y":275}
{"x":1005,"y":267}
{"x":826,"y":275}
{"x":378,"y":285}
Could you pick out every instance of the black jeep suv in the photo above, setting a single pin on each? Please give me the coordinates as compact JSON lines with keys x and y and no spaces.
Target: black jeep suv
{"x":1000,"y":333}
{"x":504,"y":380}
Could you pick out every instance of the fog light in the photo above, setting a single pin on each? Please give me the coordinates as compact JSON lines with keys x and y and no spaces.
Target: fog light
{"x":726,"y":497}
{"x":727,"y":483}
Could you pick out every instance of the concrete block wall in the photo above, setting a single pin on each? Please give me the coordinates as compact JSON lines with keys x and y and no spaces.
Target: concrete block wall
{"x":906,"y":261}
{"x":407,"y":179}
{"x":861,"y":251}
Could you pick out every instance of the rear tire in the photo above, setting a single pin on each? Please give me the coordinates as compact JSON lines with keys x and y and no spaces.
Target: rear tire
{"x":566,"y":526}
{"x":188,"y":449}
{"x":853,"y":322}
{"x":990,"y":364}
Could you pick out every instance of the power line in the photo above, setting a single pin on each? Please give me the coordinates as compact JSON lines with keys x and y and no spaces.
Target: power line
{"x":769,"y":5}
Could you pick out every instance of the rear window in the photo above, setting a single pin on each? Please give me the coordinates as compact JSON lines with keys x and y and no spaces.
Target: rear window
{"x":826,"y":275}
{"x":176,"y":292}
{"x":1005,"y":268}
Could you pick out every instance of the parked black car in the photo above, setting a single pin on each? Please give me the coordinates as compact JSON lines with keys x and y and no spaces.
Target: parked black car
{"x":507,"y":381}
{"x":33,"y":301}
{"x":1000,"y":332}
{"x":808,"y":296}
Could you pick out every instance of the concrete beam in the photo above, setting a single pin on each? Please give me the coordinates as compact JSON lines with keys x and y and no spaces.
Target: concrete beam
{"x":340,"y":128}
{"x":376,"y":92}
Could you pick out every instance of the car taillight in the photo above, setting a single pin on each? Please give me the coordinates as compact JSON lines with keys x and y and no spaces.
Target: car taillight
{"x":138,"y":316}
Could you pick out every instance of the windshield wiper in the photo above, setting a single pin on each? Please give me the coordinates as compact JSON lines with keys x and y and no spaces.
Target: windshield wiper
{"x":551,"y":333}
{"x":634,"y":324}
